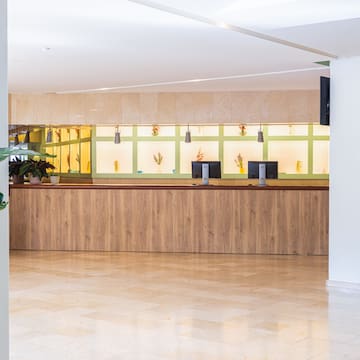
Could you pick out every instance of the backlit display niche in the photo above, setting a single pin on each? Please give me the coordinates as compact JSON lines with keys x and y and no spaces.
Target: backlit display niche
{"x":152,"y":151}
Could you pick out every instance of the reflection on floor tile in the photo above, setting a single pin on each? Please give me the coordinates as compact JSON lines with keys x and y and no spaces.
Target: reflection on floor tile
{"x":127,"y":306}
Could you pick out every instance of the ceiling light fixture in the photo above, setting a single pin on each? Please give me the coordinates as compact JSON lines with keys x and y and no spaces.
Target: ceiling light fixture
{"x":16,"y":140}
{"x":260,"y":135}
{"x":49,"y":136}
{"x":27,"y":137}
{"x":117,"y":135}
{"x":188,"y":135}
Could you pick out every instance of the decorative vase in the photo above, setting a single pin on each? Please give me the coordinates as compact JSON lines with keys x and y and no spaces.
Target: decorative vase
{"x":299,"y":165}
{"x":18,"y":179}
{"x":116,"y":166}
{"x":34,"y":180}
{"x":159,"y":168}
{"x":54,"y":179}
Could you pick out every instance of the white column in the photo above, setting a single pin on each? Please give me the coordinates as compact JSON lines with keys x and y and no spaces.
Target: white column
{"x":344,"y":246}
{"x":4,"y":215}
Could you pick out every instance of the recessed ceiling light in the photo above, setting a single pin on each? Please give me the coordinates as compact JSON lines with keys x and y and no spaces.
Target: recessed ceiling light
{"x":46,"y":49}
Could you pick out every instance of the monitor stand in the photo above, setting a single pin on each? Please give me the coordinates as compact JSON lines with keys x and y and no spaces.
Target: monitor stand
{"x":262,"y":174}
{"x":205,"y":174}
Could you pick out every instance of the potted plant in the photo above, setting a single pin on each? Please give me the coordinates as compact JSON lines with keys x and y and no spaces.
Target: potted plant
{"x":35,"y":169}
{"x":54,"y":179}
{"x":14,"y":171}
{"x":5,"y":153}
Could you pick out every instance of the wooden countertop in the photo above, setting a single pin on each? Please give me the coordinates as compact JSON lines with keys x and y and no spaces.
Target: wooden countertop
{"x":234,"y":219}
{"x":162,"y":187}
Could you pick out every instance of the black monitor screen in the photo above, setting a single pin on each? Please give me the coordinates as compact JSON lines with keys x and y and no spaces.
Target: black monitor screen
{"x":271,"y":169}
{"x":214,"y":169}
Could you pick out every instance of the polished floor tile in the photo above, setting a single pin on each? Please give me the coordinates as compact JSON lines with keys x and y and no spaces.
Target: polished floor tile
{"x":134,"y":306}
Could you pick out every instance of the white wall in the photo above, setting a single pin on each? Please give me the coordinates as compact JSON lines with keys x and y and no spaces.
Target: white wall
{"x":344,"y":247}
{"x":4,"y":216}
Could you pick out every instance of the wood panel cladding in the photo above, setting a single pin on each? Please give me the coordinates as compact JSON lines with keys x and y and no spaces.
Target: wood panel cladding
{"x":166,"y":108}
{"x":236,"y":221}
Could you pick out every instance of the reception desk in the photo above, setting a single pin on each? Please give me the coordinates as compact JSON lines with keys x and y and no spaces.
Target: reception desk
{"x":167,"y":218}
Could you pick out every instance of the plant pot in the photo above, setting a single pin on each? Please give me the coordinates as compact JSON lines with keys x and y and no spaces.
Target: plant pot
{"x":34,"y":180}
{"x":159,"y":168}
{"x":54,"y":179}
{"x":18,"y":179}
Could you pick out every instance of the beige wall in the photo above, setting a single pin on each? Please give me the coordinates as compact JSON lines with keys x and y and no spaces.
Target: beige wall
{"x":166,"y":108}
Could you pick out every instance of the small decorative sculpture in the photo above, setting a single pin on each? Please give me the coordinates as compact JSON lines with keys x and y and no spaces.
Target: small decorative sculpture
{"x":155,"y":130}
{"x":243,"y":131}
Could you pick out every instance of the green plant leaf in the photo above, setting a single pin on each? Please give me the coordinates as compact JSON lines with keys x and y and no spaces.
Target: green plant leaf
{"x":3,"y":204}
{"x":35,"y":168}
{"x":6,"y":152}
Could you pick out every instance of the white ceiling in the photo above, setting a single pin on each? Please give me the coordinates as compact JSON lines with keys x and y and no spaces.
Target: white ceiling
{"x":131,"y":45}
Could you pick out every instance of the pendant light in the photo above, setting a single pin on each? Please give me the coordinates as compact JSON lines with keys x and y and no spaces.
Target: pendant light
{"x":260,"y":135}
{"x":49,"y":136}
{"x":27,"y":137}
{"x":16,"y":140}
{"x":188,"y":135}
{"x":117,"y":135}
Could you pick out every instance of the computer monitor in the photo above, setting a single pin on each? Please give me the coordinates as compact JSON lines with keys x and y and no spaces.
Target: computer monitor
{"x":214,"y":169}
{"x":271,"y":169}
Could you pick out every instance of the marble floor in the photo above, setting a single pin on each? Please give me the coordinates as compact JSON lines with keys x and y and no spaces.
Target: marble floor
{"x":140,"y":306}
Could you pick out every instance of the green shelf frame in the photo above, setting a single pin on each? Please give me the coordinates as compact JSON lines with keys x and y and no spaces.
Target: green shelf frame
{"x":177,"y":139}
{"x":60,"y":144}
{"x":221,"y":139}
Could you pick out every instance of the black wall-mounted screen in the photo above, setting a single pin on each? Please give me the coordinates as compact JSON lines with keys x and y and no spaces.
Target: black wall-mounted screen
{"x":214,"y":169}
{"x":324,"y":100}
{"x":270,"y":166}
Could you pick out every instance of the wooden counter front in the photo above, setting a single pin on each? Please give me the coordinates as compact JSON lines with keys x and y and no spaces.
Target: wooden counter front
{"x":207,"y":219}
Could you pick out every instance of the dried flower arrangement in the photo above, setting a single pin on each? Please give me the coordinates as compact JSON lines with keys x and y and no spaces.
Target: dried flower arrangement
{"x":239,"y":161}
{"x":158,"y":158}
{"x":243,"y":131}
{"x":199,"y":155}
{"x":155,"y":130}
{"x":68,"y":162}
{"x":58,"y":134}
